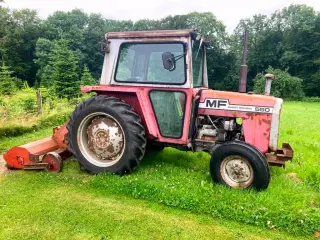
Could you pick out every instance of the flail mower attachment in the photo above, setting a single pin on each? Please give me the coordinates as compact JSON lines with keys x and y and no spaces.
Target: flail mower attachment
{"x":47,"y":153}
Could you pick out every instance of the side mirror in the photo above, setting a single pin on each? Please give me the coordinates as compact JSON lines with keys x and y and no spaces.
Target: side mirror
{"x":168,"y":60}
{"x":104,"y":46}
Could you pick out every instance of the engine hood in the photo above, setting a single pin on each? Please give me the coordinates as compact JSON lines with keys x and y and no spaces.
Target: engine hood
{"x":261,"y":114}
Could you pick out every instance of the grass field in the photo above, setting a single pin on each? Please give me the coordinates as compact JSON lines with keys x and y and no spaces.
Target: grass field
{"x":170,"y":196}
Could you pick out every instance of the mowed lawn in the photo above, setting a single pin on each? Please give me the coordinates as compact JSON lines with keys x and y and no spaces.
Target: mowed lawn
{"x":170,"y":196}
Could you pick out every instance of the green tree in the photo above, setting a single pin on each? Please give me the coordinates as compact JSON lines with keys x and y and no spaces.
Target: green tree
{"x":146,"y":24}
{"x":19,"y":30}
{"x":284,"y":85}
{"x":288,"y":39}
{"x":7,"y":82}
{"x":93,"y":34}
{"x":86,"y":78}
{"x":65,"y":77}
{"x":219,"y":59}
{"x":44,"y":48}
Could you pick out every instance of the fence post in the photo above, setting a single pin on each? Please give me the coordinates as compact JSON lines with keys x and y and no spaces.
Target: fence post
{"x":39,"y":102}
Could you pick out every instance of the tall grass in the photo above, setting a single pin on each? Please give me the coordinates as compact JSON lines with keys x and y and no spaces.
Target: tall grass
{"x":19,"y":113}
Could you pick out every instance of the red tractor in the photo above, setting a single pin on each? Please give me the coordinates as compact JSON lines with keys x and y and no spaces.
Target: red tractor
{"x":154,"y":93}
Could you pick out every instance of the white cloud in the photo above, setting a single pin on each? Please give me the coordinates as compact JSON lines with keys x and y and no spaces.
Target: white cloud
{"x":228,"y":11}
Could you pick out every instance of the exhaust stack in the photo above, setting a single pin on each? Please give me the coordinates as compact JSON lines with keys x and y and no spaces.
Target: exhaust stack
{"x":244,"y":67}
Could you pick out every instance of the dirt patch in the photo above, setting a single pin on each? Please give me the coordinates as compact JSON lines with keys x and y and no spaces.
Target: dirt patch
{"x":293,"y":176}
{"x":3,"y":168}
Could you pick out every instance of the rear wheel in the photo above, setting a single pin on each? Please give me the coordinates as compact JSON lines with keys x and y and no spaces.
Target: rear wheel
{"x":239,"y":165}
{"x":106,"y":135}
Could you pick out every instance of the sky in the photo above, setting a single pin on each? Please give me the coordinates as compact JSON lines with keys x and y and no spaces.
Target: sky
{"x":228,"y":11}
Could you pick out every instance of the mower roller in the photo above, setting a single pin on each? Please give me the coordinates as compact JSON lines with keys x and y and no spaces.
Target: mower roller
{"x":154,"y":93}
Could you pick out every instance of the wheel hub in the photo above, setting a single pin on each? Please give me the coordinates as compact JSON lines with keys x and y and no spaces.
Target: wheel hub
{"x":237,"y":171}
{"x":105,"y":138}
{"x":101,"y":139}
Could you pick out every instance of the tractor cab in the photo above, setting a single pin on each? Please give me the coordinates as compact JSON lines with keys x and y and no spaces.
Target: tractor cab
{"x":167,"y":64}
{"x":175,"y":58}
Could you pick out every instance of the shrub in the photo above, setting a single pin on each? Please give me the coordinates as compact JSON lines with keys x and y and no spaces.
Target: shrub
{"x":86,"y":78}
{"x":51,"y":121}
{"x":18,"y":112}
{"x":13,"y":131}
{"x":311,"y":99}
{"x":29,"y":105}
{"x":284,"y":85}
{"x":7,"y":83}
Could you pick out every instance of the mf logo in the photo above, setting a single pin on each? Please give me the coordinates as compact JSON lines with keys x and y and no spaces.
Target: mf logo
{"x":216,"y":103}
{"x":223,"y":104}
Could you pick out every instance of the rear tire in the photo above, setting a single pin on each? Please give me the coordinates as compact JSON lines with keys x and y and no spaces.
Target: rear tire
{"x":106,"y":135}
{"x":237,"y":164}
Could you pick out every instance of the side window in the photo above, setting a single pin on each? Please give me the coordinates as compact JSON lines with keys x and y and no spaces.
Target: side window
{"x":142,"y":62}
{"x":125,"y":63}
{"x":169,"y":108}
{"x":197,"y":64}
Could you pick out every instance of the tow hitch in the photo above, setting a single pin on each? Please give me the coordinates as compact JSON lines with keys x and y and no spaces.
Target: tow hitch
{"x":280,"y":157}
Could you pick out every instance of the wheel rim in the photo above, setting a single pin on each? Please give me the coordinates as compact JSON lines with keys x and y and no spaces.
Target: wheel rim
{"x":236,"y":171}
{"x":54,"y":160}
{"x":101,"y":139}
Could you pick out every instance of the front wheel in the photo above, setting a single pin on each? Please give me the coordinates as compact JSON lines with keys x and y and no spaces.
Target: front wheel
{"x":239,"y":165}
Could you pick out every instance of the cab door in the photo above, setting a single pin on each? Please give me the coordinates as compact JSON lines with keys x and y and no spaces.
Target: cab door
{"x":166,"y":91}
{"x":169,"y":109}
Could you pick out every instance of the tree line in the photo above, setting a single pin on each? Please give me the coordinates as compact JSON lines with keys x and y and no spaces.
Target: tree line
{"x":61,"y":52}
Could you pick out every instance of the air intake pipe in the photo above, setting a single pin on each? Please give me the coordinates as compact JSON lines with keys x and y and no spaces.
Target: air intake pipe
{"x":269,"y":77}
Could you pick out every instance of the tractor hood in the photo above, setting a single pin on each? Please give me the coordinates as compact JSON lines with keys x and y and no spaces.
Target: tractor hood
{"x":263,"y":111}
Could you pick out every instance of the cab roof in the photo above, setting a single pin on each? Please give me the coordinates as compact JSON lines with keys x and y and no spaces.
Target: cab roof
{"x":152,"y":34}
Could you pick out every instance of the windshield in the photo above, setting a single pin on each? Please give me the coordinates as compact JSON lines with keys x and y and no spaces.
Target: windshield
{"x":197,"y":63}
{"x":142,"y":62}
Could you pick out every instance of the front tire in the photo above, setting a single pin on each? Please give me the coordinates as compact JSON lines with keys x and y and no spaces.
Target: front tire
{"x":106,"y":135}
{"x":237,"y":164}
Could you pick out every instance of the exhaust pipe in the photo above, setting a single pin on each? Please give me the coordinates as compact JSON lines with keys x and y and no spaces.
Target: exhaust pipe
{"x":244,"y":67}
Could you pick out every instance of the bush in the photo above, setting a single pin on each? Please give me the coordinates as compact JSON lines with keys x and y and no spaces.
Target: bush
{"x":18,"y":112}
{"x":13,"y":131}
{"x":29,"y":105}
{"x":284,"y":85}
{"x":51,"y":121}
{"x":311,"y":99}
{"x":7,"y":83}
